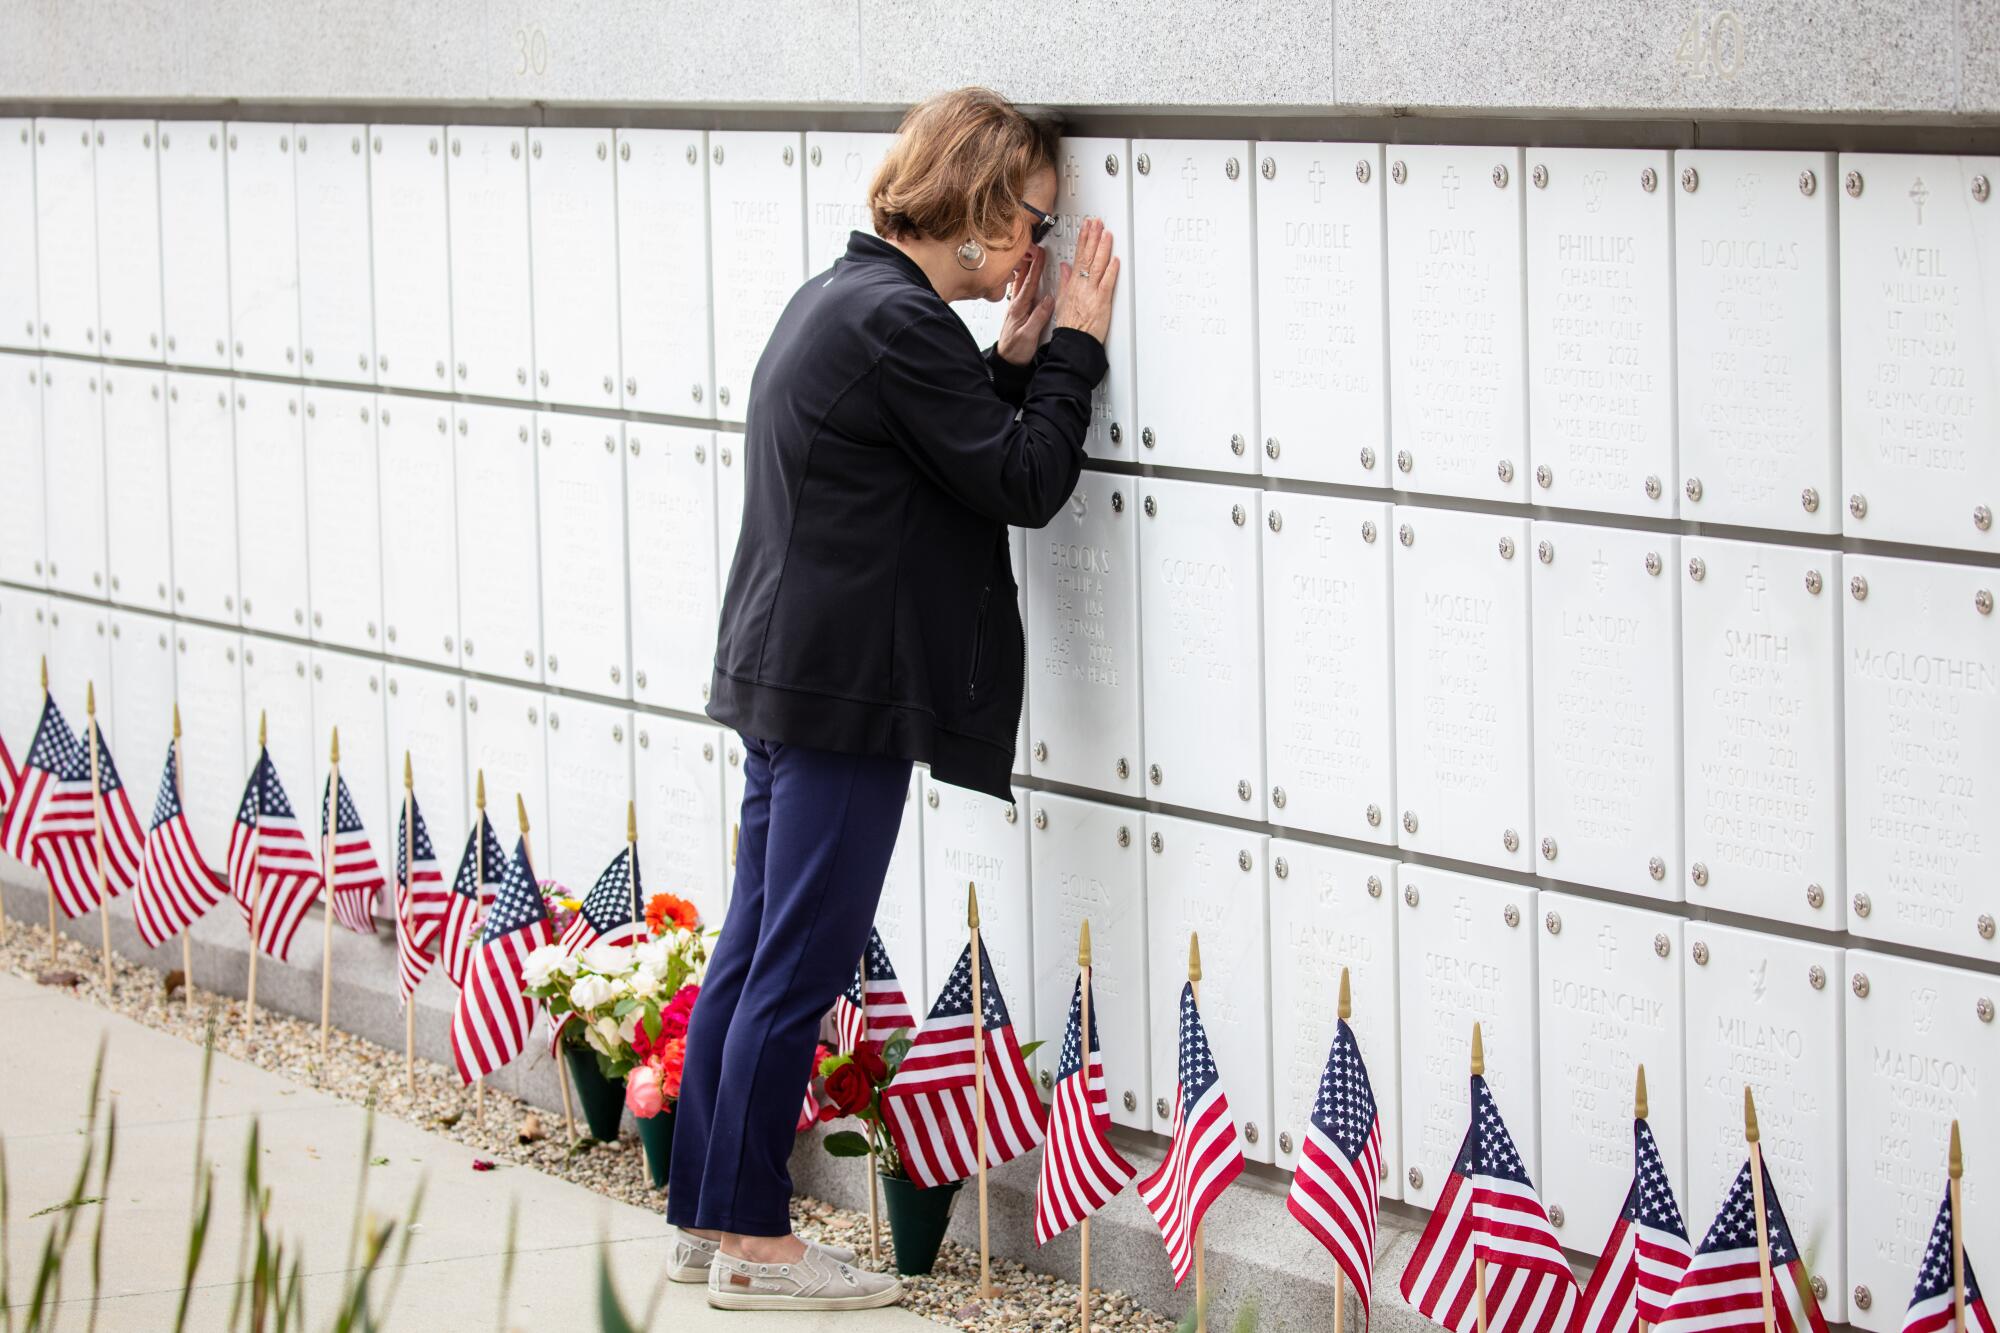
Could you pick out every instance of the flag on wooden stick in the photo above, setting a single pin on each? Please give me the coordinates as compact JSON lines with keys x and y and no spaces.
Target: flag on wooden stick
{"x":1336,"y":1188}
{"x":1204,"y":1155}
{"x":176,"y":885}
{"x":52,"y":822}
{"x":420,"y":893}
{"x":1721,"y":1289}
{"x":873,"y":1006}
{"x":356,"y":872}
{"x":490,"y":1025}
{"x":1648,"y":1250}
{"x":1947,"y":1293}
{"x":929,"y":1105}
{"x":480,"y":870}
{"x":273,"y":873}
{"x":1081,"y":1171}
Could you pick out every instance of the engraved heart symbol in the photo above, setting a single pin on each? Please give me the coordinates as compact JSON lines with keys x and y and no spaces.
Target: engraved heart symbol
{"x":854,"y":165}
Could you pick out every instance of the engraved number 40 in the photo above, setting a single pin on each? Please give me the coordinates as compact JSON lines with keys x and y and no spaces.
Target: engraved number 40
{"x":1712,"y":44}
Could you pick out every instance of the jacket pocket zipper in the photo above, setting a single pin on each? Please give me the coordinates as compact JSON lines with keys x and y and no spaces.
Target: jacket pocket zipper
{"x":978,"y":643}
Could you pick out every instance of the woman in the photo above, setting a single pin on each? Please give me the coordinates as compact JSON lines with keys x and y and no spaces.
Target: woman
{"x":871,"y":620}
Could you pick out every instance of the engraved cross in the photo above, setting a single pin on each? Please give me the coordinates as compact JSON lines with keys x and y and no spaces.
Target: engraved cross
{"x":1919,"y":192}
{"x":1607,"y":947}
{"x":1190,"y":173}
{"x":1598,"y":564}
{"x":1071,"y":173}
{"x":1756,"y":583}
{"x":1450,"y":183}
{"x":1461,"y":916}
{"x":1317,"y":175}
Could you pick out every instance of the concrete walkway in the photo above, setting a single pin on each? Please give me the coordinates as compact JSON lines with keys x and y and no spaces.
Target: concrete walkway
{"x":311,"y":1149}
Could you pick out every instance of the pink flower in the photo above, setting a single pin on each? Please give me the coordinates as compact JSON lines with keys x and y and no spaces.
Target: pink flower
{"x":643,"y":1097}
{"x":674,"y":1018}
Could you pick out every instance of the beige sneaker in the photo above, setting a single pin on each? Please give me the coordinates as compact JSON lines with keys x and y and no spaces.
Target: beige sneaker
{"x":814,"y":1282}
{"x":692,"y":1256}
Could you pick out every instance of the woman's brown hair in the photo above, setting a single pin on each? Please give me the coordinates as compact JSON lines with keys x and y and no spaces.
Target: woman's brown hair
{"x":959,"y":165}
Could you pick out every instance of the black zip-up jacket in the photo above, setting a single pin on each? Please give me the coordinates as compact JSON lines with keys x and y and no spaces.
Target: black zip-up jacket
{"x":871,"y":607}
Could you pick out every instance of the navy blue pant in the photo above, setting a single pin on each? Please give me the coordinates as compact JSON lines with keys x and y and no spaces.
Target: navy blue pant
{"x":817,"y":832}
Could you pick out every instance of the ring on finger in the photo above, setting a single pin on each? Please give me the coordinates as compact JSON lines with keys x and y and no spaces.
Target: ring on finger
{"x":1083,"y":273}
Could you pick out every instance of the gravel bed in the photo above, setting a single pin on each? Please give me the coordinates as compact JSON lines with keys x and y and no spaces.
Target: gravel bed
{"x":356,"y":1070}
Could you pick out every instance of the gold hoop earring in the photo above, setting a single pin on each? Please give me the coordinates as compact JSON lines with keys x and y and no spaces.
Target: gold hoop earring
{"x":971,"y":256}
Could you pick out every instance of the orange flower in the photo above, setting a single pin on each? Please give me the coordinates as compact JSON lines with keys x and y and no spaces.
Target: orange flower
{"x":672,"y":1054}
{"x":665,"y":908}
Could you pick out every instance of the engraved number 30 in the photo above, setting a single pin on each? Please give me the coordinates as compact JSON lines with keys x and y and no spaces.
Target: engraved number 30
{"x":1711,"y":45}
{"x":534,"y":44}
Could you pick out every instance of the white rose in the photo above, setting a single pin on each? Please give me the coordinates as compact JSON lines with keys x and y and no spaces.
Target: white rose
{"x":628,"y":1028}
{"x":605,"y":1035}
{"x":609,"y":959}
{"x":591,"y":992}
{"x":644,"y":984}
{"x":654,"y":955}
{"x":541,"y":966}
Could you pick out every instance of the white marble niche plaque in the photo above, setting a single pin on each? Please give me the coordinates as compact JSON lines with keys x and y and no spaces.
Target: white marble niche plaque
{"x":1322,"y":327}
{"x":899,"y":913}
{"x":491,"y":305}
{"x":1465,"y":955}
{"x":1199,"y":645}
{"x":1196,"y":328}
{"x":1601,"y":329}
{"x":19,"y":311}
{"x":277,"y":691}
{"x":505,"y":739}
{"x":215,"y":754}
{"x":590,"y":782}
{"x":194,"y":244}
{"x":23,"y":521}
{"x":408,"y":230}
{"x":840,"y":165}
{"x":1206,"y":880}
{"x":670,"y":516}
{"x":79,"y":659}
{"x":677,"y":777}
{"x":1754,"y":283}
{"x":1919,"y":282}
{"x":1464,"y":746}
{"x":1094,"y":180}
{"x":1457,"y":342}
{"x":24,"y":641}
{"x":136,"y":508}
{"x":974,"y":839}
{"x":263,"y":250}
{"x":1922,"y":691}
{"x":1922,"y":1047}
{"x":582,"y":487}
{"x":1089,"y":864}
{"x":344,"y":518}
{"x":336,"y":300}
{"x":347,"y":693}
{"x":1328,"y":702}
{"x":424,"y":717}
{"x":499,"y":564}
{"x":66,"y":235}
{"x":142,"y":716}
{"x":663,"y":304}
{"x":575,"y":224}
{"x":201,"y":495}
{"x":1766,"y":1012}
{"x":1083,"y":638}
{"x":1608,"y":696}
{"x":1333,"y":910}
{"x":74,"y":480}
{"x":271,"y":520}
{"x":1760,"y":680}
{"x":1609,"y":995}
{"x":756,"y":200}
{"x":419,"y":529}
{"x":128,"y":241}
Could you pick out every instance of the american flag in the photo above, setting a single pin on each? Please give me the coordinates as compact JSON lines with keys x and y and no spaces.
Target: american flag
{"x":176,"y":886}
{"x":52,"y":821}
{"x":1204,"y":1155}
{"x":10,"y":780}
{"x":490,"y":1025}
{"x":1647,"y":1252}
{"x":1932,"y":1308}
{"x":1722,"y":1289}
{"x":273,"y":873}
{"x":356,"y":872}
{"x":1080,"y":1168}
{"x":929,"y":1105}
{"x":1489,"y":1210}
{"x":1336,"y":1188}
{"x":608,"y":916}
{"x":421,"y":897}
{"x":875,"y":992}
{"x":471,"y":894}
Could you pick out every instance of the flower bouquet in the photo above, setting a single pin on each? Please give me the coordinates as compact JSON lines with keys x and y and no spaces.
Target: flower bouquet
{"x":620,"y":1008}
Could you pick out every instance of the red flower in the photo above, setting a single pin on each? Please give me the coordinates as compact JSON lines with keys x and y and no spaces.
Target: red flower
{"x":848,"y":1088}
{"x":674,"y":1018}
{"x":663,"y":908}
{"x":669,"y":1058}
{"x":868,"y":1057}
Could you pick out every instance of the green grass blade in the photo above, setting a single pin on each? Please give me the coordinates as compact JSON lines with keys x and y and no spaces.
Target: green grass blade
{"x":104,"y":1193}
{"x":507,"y":1261}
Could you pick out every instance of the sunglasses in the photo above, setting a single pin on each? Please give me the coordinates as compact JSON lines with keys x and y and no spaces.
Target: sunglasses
{"x":1044,"y":223}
